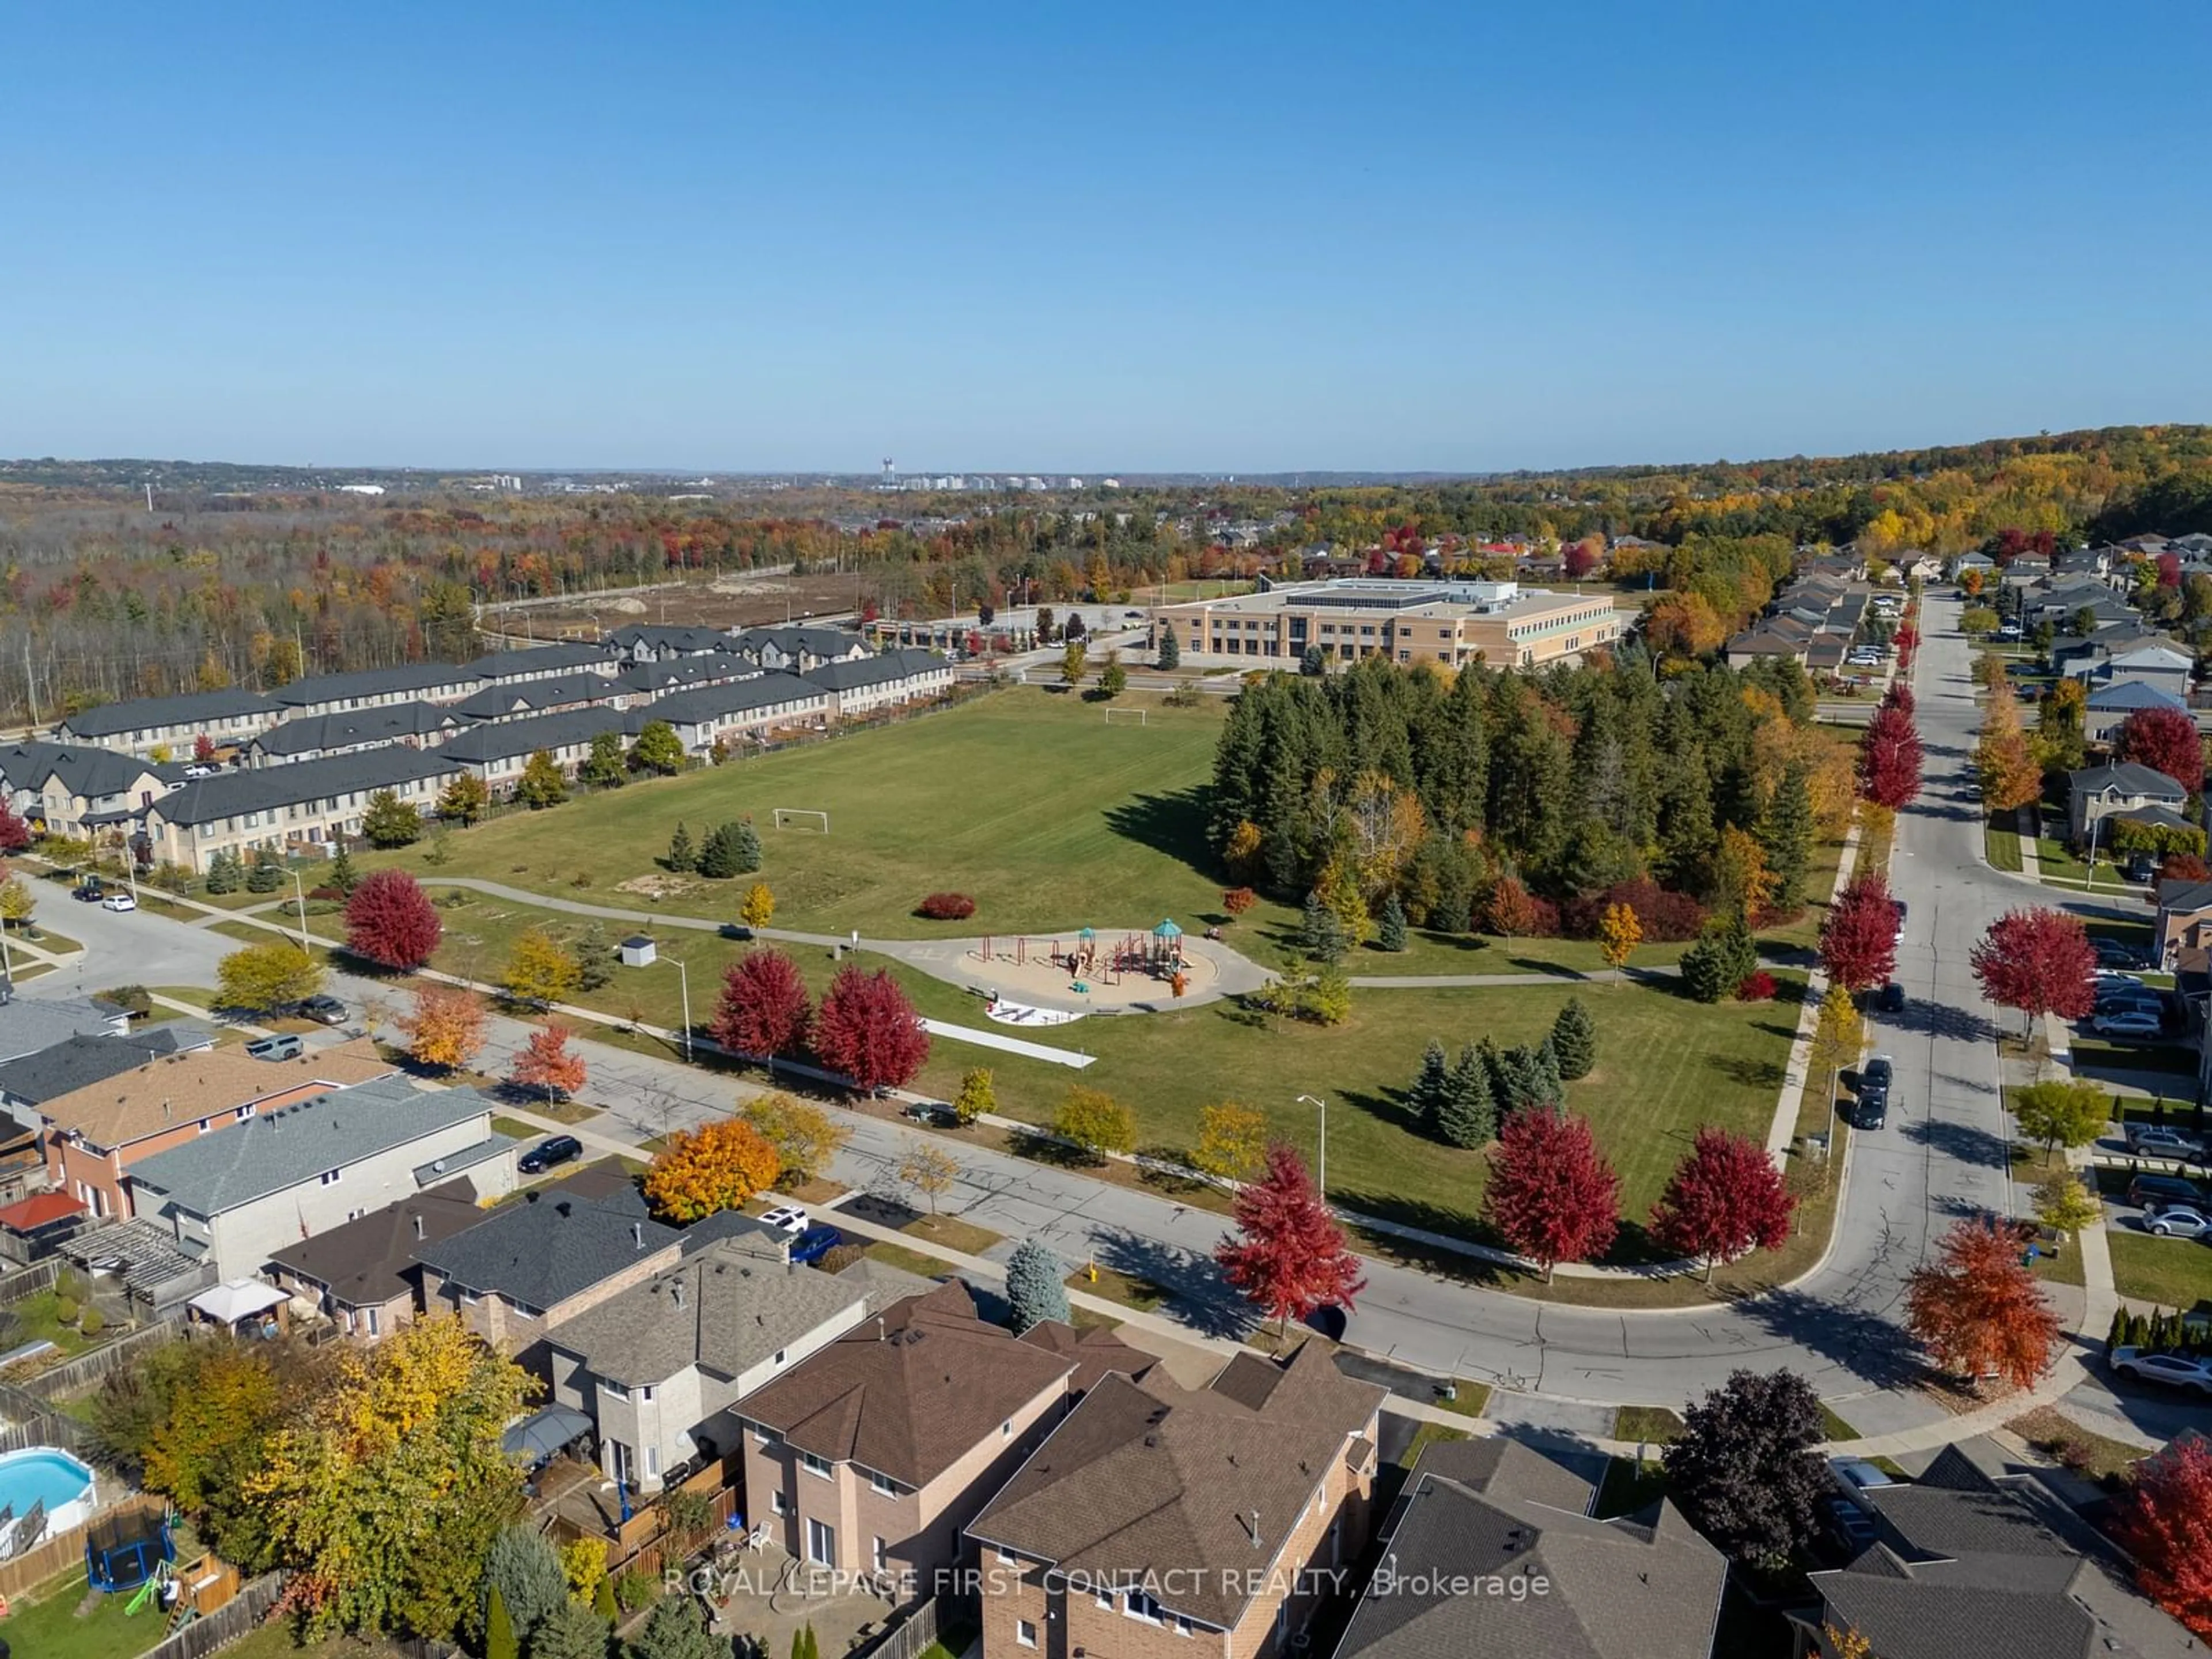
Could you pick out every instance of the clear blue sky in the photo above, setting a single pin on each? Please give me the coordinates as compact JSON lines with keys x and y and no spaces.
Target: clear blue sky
{"x":1128,"y":236}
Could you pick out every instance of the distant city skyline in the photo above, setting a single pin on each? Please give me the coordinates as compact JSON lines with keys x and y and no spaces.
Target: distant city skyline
{"x":1419,"y":238}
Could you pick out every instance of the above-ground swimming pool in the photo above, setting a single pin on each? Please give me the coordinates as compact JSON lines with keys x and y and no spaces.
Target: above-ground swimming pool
{"x":42,"y":1476}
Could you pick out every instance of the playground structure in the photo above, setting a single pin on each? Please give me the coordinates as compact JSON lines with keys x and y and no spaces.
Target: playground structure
{"x":130,"y":1550}
{"x":1103,"y":972}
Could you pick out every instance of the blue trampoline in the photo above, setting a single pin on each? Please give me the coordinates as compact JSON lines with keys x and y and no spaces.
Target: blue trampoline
{"x":122,"y":1551}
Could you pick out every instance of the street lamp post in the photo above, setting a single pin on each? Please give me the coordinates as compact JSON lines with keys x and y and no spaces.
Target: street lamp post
{"x":300,"y":897}
{"x":684,"y":981}
{"x":1321,"y":1172}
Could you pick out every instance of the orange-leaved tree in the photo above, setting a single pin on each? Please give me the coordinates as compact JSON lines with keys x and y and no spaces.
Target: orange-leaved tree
{"x":547,"y":1062}
{"x":445,"y":1028}
{"x":716,"y":1166}
{"x":1979,"y":1310}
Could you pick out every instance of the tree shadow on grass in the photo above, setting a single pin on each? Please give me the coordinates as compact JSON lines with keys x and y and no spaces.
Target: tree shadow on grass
{"x":1751,"y":1073}
{"x":1173,"y":824}
{"x":1044,"y":1149}
{"x":1205,"y":1300}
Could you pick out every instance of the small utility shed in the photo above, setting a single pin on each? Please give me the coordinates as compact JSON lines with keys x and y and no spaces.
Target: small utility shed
{"x":637,"y":951}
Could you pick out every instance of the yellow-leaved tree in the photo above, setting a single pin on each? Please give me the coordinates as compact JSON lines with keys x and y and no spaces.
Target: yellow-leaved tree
{"x":539,"y":970}
{"x":715,"y":1167}
{"x":266,"y":977}
{"x":1232,"y":1140}
{"x":1618,"y":933}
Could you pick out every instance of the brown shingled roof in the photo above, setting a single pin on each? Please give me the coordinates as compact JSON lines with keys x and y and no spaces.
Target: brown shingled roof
{"x":908,"y":1393}
{"x":1096,"y":1351}
{"x":182,"y":1088}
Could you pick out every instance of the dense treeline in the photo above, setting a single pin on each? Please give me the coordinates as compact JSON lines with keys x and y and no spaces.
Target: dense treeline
{"x":99,"y":599}
{"x":1453,"y":794}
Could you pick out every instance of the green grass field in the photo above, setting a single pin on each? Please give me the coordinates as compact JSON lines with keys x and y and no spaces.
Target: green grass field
{"x":1026,"y":800}
{"x":2174,"y":1272}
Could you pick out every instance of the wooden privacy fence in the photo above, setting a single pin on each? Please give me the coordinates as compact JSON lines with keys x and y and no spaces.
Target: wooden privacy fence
{"x":43,"y":1428}
{"x":21,"y":1286}
{"x":226,"y":1623}
{"x":63,"y":1551}
{"x":88,"y":1368}
{"x":912,"y":1635}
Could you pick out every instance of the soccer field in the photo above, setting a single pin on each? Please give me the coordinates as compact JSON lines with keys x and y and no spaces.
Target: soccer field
{"x":1027,"y":800}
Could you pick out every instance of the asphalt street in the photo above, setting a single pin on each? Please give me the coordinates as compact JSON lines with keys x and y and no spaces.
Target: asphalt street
{"x":1943,"y":1154}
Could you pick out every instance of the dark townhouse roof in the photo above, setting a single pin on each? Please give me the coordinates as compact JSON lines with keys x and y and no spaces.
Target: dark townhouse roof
{"x":712,"y":702}
{"x":1642,"y":1587}
{"x":28,"y":1023}
{"x":84,"y":770}
{"x":80,"y":1061}
{"x":497,"y":740}
{"x":113,"y":719}
{"x":557,"y":1241}
{"x":850,"y":676}
{"x":509,"y":698}
{"x":680,"y":673}
{"x":793,"y":641}
{"x":372,"y":682}
{"x":1965,"y":1563}
{"x":392,"y":723}
{"x":264,"y":788}
{"x":908,"y":1393}
{"x":668,"y":637}
{"x":557,"y":656}
{"x":371,"y":1259}
{"x":726,"y":1309}
{"x":2127,"y":778}
{"x":1149,"y":1482}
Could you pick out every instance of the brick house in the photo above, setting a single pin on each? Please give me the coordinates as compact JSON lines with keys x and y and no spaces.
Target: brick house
{"x":872,"y":1456}
{"x":363,"y":1275}
{"x":1159,"y":1520}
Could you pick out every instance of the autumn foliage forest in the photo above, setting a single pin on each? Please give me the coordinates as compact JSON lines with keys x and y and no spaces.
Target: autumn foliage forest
{"x":219,"y":586}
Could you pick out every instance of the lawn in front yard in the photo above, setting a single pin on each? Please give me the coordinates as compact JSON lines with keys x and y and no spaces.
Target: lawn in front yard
{"x":49,"y":1628}
{"x":2174,"y":1272}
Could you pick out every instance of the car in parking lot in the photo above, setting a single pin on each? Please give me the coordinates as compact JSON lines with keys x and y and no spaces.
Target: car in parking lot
{"x":2129,"y":1025}
{"x":2113,"y":953}
{"x":324,"y":1011}
{"x":2009,"y":631}
{"x":88,"y":891}
{"x":2161,"y":1140}
{"x":2178,"y":1370}
{"x":2113,"y":1004}
{"x":284,"y":1045}
{"x":2142,"y":869}
{"x":550,"y":1154}
{"x":1891,"y":999}
{"x":2152,"y":1190}
{"x":1847,"y":1527}
{"x":1870,"y":1109}
{"x":815,"y":1243}
{"x":2177,"y":1221}
{"x":785,"y":1218}
{"x":118,"y":901}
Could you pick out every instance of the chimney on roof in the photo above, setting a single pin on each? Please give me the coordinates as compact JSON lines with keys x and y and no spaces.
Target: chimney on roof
{"x":1255,"y":1530}
{"x":418,"y":1225}
{"x":675,"y":1290}
{"x":164,"y":1111}
{"x":637,"y":1234}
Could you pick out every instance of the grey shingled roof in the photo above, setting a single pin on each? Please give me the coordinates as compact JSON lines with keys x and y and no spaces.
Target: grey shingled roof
{"x":712,"y":701}
{"x":80,"y":1061}
{"x":557,"y":1241}
{"x":28,"y":1023}
{"x":902,"y":664}
{"x":669,"y":637}
{"x":84,"y":769}
{"x":1151,"y":1482}
{"x":262,"y":789}
{"x":2127,"y":778}
{"x":387,"y":724}
{"x":814,"y":641}
{"x":1969,"y":1564}
{"x":726,"y":1309}
{"x":535,"y":659}
{"x":683,"y":673}
{"x":910,"y":1393}
{"x":372,"y":682}
{"x":371,"y":1259}
{"x":113,"y":719}
{"x":279,"y":1149}
{"x":515,"y":699}
{"x":2132,"y":694}
{"x":1642,"y":1587}
{"x":504,"y":739}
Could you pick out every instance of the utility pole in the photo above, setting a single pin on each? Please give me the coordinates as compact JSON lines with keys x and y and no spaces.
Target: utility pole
{"x":30,"y":681}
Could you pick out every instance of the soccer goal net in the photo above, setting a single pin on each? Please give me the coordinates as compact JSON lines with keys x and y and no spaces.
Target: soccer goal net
{"x":1127,"y":715}
{"x":801,"y":818}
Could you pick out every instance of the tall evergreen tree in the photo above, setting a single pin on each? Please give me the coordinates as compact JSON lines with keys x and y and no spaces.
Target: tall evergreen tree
{"x":1574,"y":1041}
{"x":682,"y":854}
{"x":1468,"y":1116}
{"x":1426,"y":1099}
{"x":1451,"y":755}
{"x":1390,"y":927}
{"x":1321,"y":934}
{"x":745,"y":843}
{"x":1034,"y":1290}
{"x":1786,"y":835}
{"x":718,"y":855}
{"x":1723,"y":957}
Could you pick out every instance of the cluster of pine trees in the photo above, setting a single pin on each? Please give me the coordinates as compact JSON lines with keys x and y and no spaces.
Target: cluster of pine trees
{"x":1390,"y":784}
{"x":1462,"y":1101}
{"x":730,"y":849}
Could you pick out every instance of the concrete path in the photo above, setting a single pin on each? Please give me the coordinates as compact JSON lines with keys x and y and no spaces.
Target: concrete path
{"x":1004,"y":1043}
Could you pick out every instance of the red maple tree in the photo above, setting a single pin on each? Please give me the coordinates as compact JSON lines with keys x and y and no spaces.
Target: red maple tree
{"x":547,"y":1062}
{"x":202,"y":749}
{"x":15,"y":835}
{"x":1899,"y":695}
{"x":391,"y":922}
{"x":763,"y":1012}
{"x":1724,"y":1198}
{"x":1979,"y":1310}
{"x":2165,"y":1523}
{"x":2040,"y":961}
{"x":1288,"y":1255}
{"x":2164,"y":740}
{"x":1889,"y":758}
{"x":1551,"y":1196}
{"x":1858,"y":941}
{"x":867,"y":1029}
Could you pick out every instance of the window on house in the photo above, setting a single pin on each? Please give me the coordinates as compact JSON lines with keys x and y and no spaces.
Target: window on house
{"x":878,"y":1557}
{"x":883,"y":1485}
{"x":374,"y":1323}
{"x":245,"y":1112}
{"x":617,"y":1390}
{"x":813,"y":1465}
{"x":329,"y":1177}
{"x":1139,"y":1606}
{"x":821,"y":1543}
{"x":1025,"y":1632}
{"x":1007,"y":1429}
{"x":653,"y":1460}
{"x":646,"y":1392}
{"x":779,"y":1356}
{"x":777,"y":1502}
